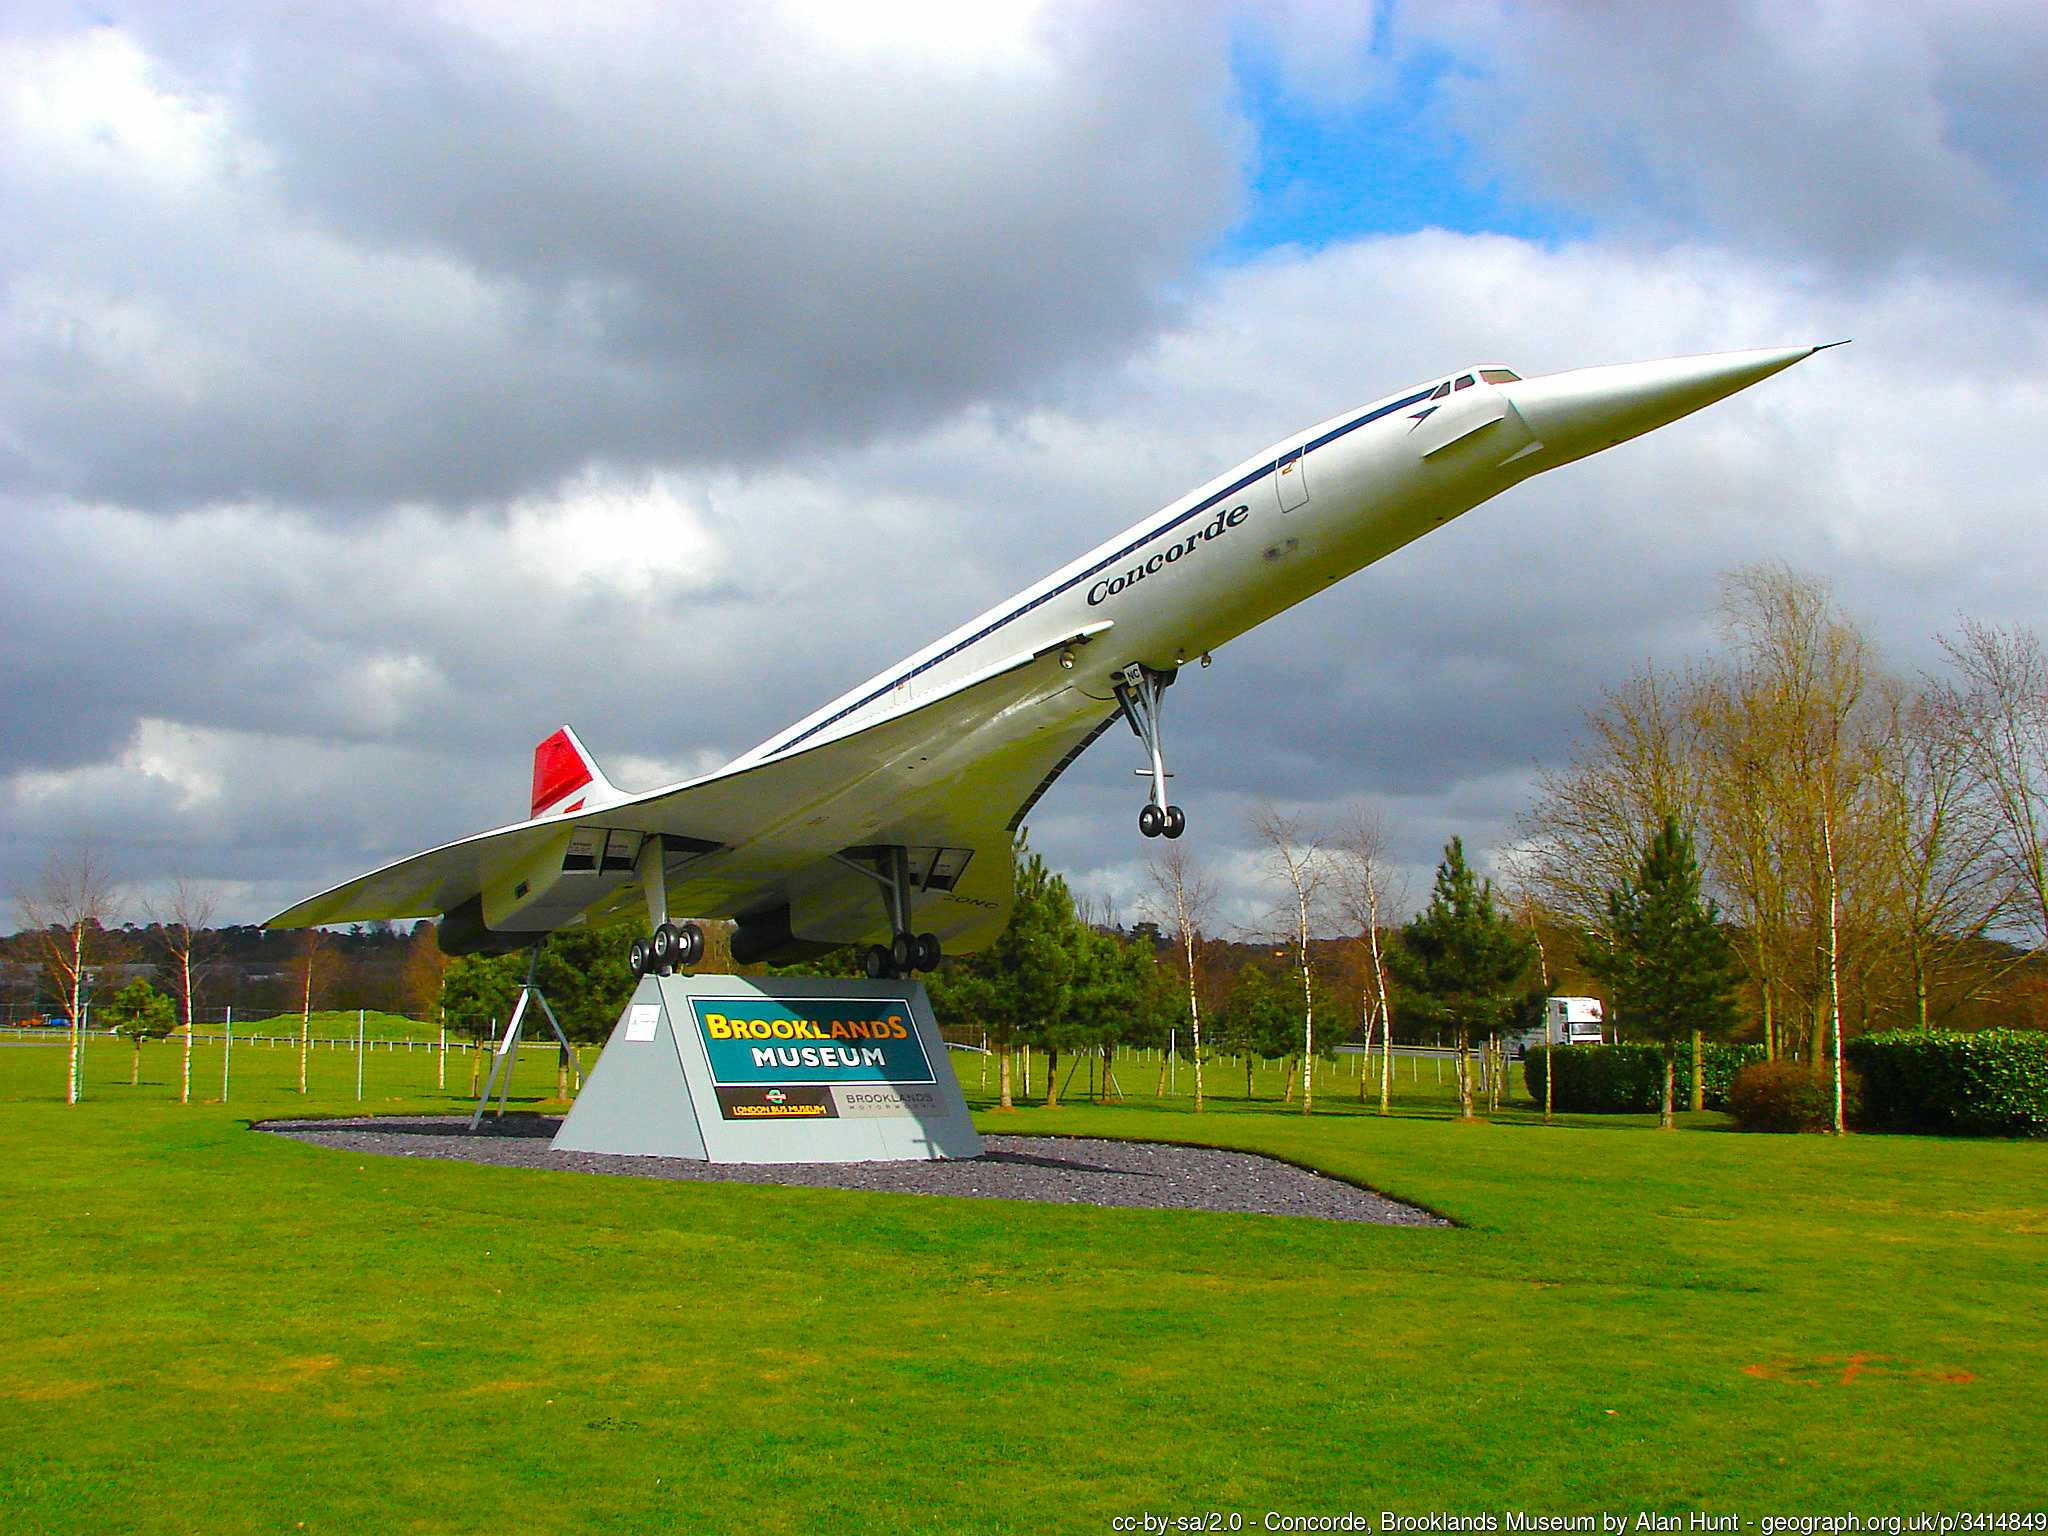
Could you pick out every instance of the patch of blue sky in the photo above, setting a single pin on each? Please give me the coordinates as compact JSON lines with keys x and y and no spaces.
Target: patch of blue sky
{"x":1385,"y":161}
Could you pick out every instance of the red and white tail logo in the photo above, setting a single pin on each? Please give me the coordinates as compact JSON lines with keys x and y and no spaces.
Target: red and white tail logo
{"x":565,"y":778}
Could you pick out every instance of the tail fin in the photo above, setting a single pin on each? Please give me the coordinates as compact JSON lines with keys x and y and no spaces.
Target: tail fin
{"x":565,"y":777}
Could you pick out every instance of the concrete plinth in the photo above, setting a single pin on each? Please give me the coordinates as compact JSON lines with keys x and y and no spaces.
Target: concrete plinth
{"x":735,"y":1069}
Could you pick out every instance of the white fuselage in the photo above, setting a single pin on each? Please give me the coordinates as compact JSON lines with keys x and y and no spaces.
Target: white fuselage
{"x":1308,"y":511}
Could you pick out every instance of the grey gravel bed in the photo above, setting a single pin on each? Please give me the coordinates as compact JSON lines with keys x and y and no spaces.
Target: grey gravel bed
{"x":1067,"y":1171}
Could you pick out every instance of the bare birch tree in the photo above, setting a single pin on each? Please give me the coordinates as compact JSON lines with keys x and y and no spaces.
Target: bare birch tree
{"x":316,"y":962}
{"x":185,"y":921}
{"x":1295,"y":860}
{"x":1748,"y":837}
{"x":2003,"y":717}
{"x":1182,"y":897}
{"x":1944,"y":885}
{"x":1520,"y":892}
{"x":1810,"y":667}
{"x":69,"y":910}
{"x":1594,"y":819}
{"x":1364,"y":874}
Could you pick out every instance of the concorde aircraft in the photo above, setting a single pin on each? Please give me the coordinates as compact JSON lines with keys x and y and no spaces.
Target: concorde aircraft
{"x":887,"y":817}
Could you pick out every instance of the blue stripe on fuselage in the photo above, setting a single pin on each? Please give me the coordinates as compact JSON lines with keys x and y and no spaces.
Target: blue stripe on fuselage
{"x":1096,"y":569}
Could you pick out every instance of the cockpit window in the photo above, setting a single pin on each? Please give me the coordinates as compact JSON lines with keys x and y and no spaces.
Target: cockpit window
{"x":1464,"y":381}
{"x":1500,"y":376}
{"x":1442,"y":390}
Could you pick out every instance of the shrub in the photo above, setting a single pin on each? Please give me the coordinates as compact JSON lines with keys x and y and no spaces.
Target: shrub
{"x":1790,"y":1096}
{"x":1629,"y":1079}
{"x":1993,"y":1083}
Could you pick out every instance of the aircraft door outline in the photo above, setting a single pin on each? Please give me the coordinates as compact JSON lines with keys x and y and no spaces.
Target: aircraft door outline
{"x":1290,"y":480}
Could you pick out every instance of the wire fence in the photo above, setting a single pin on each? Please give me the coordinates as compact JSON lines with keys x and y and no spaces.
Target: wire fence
{"x":372,"y":1049}
{"x":221,"y":1060}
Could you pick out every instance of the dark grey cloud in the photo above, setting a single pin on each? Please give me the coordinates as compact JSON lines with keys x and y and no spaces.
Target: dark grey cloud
{"x":341,"y":258}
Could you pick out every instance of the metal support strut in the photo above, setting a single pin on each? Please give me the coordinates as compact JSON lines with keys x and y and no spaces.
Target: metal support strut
{"x":507,"y":1051}
{"x":906,"y":951}
{"x":668,"y":947}
{"x":1140,"y":692}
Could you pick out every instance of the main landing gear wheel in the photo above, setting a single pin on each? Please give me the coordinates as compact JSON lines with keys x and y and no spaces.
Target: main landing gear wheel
{"x":669,"y":949}
{"x":1176,"y":821}
{"x":901,"y":956}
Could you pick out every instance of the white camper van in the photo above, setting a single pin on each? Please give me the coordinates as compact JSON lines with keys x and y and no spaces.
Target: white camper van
{"x":1568,"y":1021}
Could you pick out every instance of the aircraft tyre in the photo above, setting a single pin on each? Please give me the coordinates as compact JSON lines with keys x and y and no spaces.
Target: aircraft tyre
{"x":1176,"y":821}
{"x":926,"y":957}
{"x":875,"y":961}
{"x":639,"y":958}
{"x":1151,"y":821}
{"x":667,"y":943}
{"x":690,"y":944}
{"x":902,"y":953}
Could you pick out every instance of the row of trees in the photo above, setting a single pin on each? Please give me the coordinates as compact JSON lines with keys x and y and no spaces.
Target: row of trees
{"x":1462,"y":967}
{"x":1878,"y":841}
{"x":65,"y":918}
{"x":69,"y":941}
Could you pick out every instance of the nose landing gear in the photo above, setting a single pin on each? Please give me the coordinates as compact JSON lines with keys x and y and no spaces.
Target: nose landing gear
{"x":1170,"y":822}
{"x":1139,"y":691}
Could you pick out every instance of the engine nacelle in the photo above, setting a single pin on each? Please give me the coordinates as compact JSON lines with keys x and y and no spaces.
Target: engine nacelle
{"x":763,"y":938}
{"x":464,"y":932}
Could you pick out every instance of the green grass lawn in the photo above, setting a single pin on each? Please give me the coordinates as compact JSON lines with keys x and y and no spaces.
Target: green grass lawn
{"x":211,"y":1330}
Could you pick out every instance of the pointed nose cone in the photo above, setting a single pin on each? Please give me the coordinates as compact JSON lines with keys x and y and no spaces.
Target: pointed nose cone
{"x":1588,"y":409}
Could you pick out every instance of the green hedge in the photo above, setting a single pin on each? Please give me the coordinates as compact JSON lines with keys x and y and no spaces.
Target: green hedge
{"x":1629,"y":1079}
{"x":1993,"y":1083}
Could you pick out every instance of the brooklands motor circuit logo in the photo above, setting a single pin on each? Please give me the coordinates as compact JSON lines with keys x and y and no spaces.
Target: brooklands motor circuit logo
{"x":1215,"y":528}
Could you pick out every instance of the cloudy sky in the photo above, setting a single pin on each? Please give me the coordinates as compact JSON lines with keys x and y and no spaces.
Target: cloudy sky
{"x":382,"y":386}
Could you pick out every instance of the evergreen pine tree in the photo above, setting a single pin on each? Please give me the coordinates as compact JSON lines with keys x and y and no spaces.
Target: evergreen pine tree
{"x":1665,"y":960}
{"x":1261,"y":1018}
{"x":1461,"y":960}
{"x":1025,"y":979}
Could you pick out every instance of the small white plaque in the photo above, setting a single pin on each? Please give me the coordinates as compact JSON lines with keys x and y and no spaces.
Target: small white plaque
{"x":641,"y":1025}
